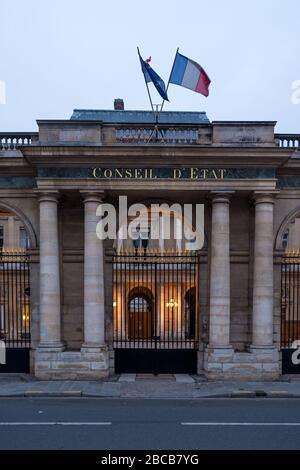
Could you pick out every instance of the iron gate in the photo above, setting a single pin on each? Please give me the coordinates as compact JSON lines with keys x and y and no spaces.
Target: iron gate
{"x":15,"y":309}
{"x":290,"y":312}
{"x":155,"y":312}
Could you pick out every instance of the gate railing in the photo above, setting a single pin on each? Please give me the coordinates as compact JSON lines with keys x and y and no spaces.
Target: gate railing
{"x":290,"y":298}
{"x":14,"y":298}
{"x":155,"y":300}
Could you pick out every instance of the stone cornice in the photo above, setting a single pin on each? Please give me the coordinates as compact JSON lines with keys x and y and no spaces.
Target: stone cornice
{"x":16,"y":166}
{"x":224,"y":156}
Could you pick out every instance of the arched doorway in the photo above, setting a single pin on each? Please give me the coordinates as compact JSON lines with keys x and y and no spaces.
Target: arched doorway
{"x":190,"y":312}
{"x":14,"y":293}
{"x":288,"y":239}
{"x":155,"y":285}
{"x":140,"y":313}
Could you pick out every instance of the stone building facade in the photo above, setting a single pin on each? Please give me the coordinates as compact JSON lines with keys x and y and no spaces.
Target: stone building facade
{"x":248,"y":179}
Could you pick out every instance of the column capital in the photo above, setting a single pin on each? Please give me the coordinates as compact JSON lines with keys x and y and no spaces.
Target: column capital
{"x":221,"y":196}
{"x":48,"y":196}
{"x":92,"y":196}
{"x":260,"y":197}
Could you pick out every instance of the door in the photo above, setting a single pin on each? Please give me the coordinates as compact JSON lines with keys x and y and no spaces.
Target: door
{"x":140,"y":313}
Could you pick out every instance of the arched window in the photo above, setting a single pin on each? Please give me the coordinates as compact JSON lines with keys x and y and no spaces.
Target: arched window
{"x":139,"y":304}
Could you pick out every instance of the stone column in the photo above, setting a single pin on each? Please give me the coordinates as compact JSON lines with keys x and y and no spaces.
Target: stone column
{"x":94,"y":325}
{"x":50,"y":313}
{"x":219,"y":321}
{"x":263,"y":282}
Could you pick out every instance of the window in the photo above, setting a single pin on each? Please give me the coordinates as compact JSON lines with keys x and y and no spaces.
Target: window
{"x":285,"y":240}
{"x":23,"y":238}
{"x":141,"y":237}
{"x":138,"y":304}
{"x":1,"y":236}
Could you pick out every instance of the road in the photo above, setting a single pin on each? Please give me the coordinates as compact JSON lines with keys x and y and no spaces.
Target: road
{"x":149,"y":424}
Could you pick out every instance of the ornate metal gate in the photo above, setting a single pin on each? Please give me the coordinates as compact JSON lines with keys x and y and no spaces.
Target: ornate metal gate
{"x":290,"y":312}
{"x":155,"y":312}
{"x":14,"y":309}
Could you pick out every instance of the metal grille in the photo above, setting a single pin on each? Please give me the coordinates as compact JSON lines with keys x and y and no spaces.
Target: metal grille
{"x":155,"y":300}
{"x":290,"y":299}
{"x":14,"y":298}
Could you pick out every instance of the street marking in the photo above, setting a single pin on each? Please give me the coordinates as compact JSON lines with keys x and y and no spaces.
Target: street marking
{"x":56,"y":423}
{"x":239,"y":424}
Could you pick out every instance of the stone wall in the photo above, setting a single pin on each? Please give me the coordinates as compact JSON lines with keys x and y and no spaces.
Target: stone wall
{"x":71,"y":220}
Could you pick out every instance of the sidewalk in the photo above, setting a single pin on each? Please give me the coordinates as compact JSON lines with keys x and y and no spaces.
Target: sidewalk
{"x":147,"y":386}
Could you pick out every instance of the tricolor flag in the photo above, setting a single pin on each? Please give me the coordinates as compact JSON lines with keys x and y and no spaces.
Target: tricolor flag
{"x":151,"y":76}
{"x":189,"y":74}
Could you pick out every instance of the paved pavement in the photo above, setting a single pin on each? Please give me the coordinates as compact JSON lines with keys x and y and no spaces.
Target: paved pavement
{"x":147,"y":386}
{"x":88,"y":423}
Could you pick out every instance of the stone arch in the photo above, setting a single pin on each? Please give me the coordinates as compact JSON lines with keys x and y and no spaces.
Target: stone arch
{"x":24,"y":219}
{"x":284,"y":225}
{"x":147,"y":202}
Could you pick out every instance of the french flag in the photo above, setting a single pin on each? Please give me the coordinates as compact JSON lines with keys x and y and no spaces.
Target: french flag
{"x":189,"y":74}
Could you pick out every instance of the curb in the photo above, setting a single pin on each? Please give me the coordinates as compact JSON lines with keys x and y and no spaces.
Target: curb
{"x":12,"y":395}
{"x":242,"y":394}
{"x":66,"y":393}
{"x":281,"y":394}
{"x":85,"y":394}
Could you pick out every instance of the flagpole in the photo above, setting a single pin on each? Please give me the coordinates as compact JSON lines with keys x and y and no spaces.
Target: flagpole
{"x":150,"y":99}
{"x":162,"y":105}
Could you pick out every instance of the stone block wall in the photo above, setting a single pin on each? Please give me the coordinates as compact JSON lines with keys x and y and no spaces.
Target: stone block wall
{"x":71,"y":221}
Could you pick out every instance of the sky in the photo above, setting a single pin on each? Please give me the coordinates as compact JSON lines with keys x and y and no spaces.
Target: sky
{"x":58,"y":55}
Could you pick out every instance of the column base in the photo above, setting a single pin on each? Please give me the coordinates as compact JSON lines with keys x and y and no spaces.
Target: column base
{"x":93,"y":348}
{"x":265,"y":354}
{"x":51,"y":347}
{"x":87,"y":364}
{"x":259,"y":363}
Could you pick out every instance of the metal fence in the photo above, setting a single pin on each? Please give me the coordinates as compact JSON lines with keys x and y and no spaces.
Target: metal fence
{"x":14,"y":298}
{"x":290,"y":312}
{"x":155,"y":308}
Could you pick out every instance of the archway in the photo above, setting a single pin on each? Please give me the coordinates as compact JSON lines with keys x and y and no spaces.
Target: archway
{"x":190,"y":313}
{"x":16,"y":236}
{"x":140,"y":313}
{"x":288,"y":240}
{"x":23,"y":222}
{"x":162,"y":225}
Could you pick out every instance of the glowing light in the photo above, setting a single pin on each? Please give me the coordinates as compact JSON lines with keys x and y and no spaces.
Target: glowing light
{"x":172,"y":303}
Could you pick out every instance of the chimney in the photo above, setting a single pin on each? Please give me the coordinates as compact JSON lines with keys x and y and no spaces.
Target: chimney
{"x":119,"y":104}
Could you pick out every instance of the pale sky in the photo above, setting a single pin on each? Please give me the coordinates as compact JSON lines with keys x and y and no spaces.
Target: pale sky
{"x":57,"y":55}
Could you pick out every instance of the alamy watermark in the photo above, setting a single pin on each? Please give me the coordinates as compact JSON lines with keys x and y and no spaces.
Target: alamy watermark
{"x":2,"y":92}
{"x":296,"y":354}
{"x":157,"y":222}
{"x":295,"y":98}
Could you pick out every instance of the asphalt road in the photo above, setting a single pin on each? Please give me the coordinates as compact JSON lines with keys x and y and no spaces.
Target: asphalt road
{"x":149,"y":424}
